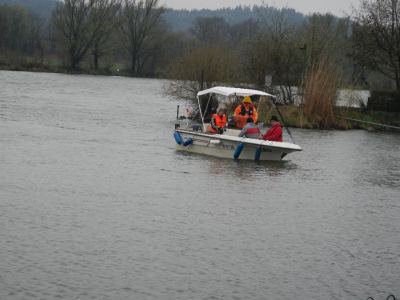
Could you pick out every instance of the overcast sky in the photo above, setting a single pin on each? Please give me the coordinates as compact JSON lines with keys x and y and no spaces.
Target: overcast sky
{"x":335,"y":7}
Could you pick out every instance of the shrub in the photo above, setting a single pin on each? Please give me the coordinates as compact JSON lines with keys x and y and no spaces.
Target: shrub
{"x":384,"y":101}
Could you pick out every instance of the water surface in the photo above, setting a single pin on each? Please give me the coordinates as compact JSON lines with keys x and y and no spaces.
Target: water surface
{"x":96,"y":203}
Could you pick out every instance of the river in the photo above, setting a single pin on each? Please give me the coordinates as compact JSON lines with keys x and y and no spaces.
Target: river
{"x":96,"y":203}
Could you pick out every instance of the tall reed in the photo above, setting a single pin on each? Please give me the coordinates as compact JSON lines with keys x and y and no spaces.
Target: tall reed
{"x":320,"y":93}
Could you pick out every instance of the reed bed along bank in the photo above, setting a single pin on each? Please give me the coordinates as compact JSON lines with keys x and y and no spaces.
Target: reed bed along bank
{"x":321,"y":88}
{"x":317,"y":112}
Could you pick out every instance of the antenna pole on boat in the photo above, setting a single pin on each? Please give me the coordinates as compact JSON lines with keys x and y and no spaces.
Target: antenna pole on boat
{"x":202,"y":79}
{"x":283,"y":121}
{"x":238,"y":99}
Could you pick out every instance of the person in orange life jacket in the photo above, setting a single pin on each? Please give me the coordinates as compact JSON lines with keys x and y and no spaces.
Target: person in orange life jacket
{"x":250,"y":130}
{"x":244,"y":111}
{"x":274,"y":133}
{"x":218,"y":122}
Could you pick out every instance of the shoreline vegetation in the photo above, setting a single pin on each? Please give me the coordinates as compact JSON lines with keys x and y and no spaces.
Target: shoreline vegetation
{"x":295,"y":116}
{"x":317,"y":65}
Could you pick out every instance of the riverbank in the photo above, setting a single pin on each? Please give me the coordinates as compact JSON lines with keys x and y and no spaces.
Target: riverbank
{"x":55,"y":65}
{"x":295,"y":117}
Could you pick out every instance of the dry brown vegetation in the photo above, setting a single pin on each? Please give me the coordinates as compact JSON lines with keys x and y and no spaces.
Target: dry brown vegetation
{"x":320,"y":93}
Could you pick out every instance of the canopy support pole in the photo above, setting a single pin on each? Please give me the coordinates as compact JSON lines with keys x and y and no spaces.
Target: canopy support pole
{"x":201,"y":113}
{"x":283,"y":121}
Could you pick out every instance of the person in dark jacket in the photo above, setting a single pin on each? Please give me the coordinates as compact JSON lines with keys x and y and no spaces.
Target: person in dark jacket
{"x":250,"y":130}
{"x":274,"y":133}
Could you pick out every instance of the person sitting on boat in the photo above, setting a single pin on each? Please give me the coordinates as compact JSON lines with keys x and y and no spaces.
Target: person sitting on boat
{"x":274,"y":133}
{"x":244,"y":111}
{"x":218,"y":122}
{"x":250,"y":130}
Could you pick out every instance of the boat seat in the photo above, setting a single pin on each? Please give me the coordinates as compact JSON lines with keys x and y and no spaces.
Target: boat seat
{"x":196,"y":127}
{"x":232,"y":132}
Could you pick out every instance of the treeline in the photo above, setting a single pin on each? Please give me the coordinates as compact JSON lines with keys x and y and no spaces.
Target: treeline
{"x":97,"y":35}
{"x":41,"y":7}
{"x":180,"y":20}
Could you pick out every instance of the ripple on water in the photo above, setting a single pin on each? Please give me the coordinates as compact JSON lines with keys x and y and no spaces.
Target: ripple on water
{"x":95,"y":203}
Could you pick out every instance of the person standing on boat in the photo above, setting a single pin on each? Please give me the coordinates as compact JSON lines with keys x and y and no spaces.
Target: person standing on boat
{"x":218,"y":122}
{"x":244,"y":111}
{"x":274,"y":134}
{"x":250,"y":130}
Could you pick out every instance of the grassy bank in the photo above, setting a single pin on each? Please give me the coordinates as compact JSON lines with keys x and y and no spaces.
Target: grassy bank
{"x":295,"y":116}
{"x":15,"y":62}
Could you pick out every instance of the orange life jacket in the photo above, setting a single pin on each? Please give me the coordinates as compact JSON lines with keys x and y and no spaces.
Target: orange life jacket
{"x":219,"y":121}
{"x":240,"y":119}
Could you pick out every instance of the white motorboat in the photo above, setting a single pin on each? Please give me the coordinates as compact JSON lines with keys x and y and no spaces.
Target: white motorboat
{"x":195,"y":139}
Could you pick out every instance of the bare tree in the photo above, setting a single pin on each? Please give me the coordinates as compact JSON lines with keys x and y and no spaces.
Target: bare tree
{"x":219,"y":64}
{"x":139,"y":22}
{"x":376,"y":37}
{"x":51,"y":36}
{"x":210,"y":30}
{"x":85,"y":27}
{"x":246,"y":29}
{"x":15,"y":25}
{"x":181,"y":43}
{"x":326,"y":36}
{"x":3,"y":26}
{"x":104,"y":21}
{"x":153,"y":52}
{"x":73,"y":22}
{"x":35,"y":34}
{"x":275,"y":51}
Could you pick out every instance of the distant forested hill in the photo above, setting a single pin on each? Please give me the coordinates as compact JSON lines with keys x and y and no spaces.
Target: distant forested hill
{"x":42,"y":7}
{"x":182,"y":19}
{"x":178,"y":19}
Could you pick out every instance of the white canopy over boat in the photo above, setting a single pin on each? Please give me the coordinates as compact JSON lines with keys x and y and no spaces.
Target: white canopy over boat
{"x":227,"y":91}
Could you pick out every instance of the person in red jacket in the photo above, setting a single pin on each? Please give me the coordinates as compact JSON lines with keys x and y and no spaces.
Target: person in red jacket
{"x":274,"y":133}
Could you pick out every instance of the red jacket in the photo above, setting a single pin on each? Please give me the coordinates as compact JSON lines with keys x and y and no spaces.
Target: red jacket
{"x":274,"y":133}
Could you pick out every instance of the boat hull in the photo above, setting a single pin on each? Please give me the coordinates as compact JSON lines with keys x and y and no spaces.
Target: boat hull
{"x":224,"y":145}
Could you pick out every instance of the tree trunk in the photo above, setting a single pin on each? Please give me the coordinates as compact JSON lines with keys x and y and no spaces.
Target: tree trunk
{"x":133,"y":66}
{"x":96,"y":60}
